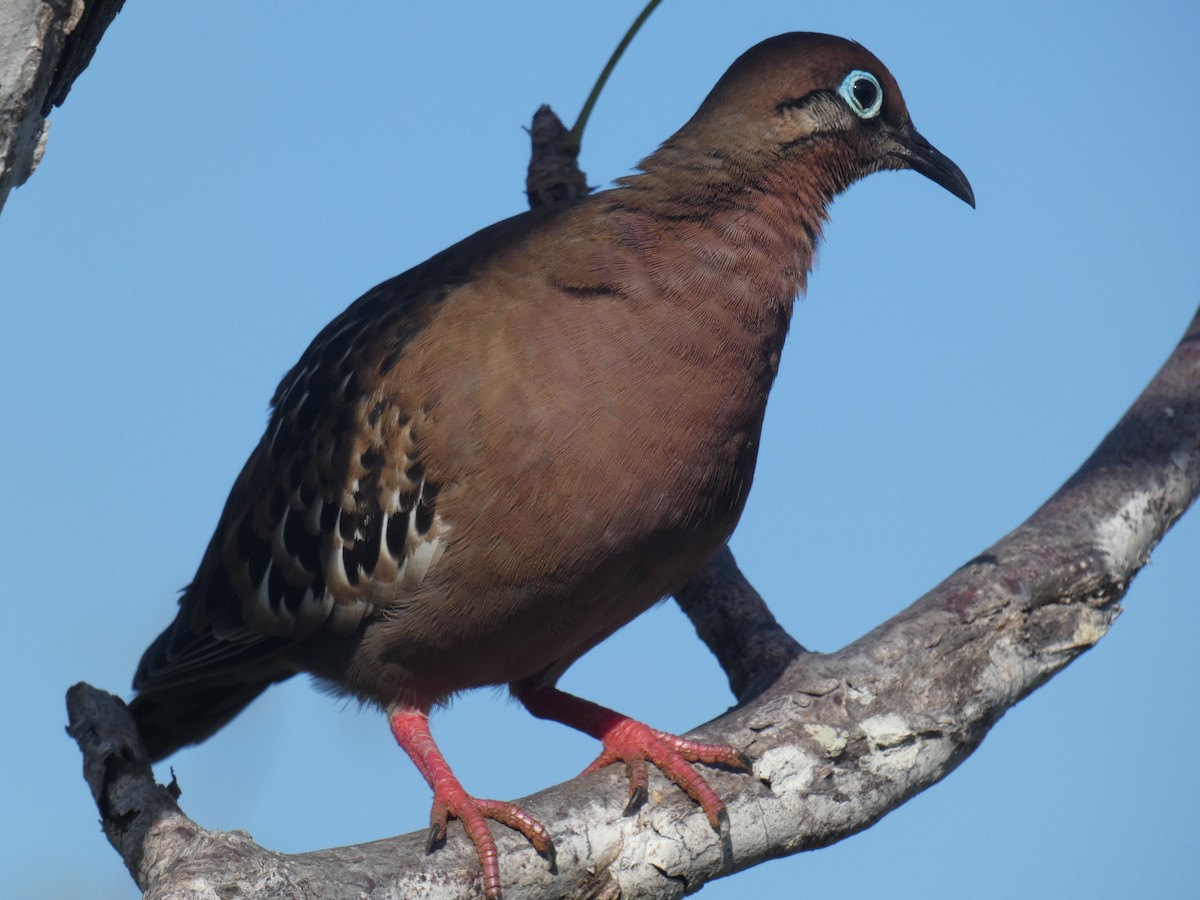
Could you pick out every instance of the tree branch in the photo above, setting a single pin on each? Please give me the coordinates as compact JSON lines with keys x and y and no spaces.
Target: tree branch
{"x":731,"y":617}
{"x":837,"y":740}
{"x":44,"y":45}
{"x":93,"y":19}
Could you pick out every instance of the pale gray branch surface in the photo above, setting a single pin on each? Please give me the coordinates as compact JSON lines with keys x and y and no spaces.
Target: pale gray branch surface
{"x":32,"y":36}
{"x":837,"y":740}
{"x":44,"y":45}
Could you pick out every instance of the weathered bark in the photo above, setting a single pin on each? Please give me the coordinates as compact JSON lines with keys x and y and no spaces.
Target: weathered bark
{"x":837,"y":740}
{"x":44,"y":45}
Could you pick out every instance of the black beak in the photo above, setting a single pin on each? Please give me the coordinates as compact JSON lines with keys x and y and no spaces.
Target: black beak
{"x":906,"y":149}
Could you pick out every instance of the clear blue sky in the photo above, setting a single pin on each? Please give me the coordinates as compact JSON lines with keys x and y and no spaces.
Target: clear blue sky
{"x":226,"y":177}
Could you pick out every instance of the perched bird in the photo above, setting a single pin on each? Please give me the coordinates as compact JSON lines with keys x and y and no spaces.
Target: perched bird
{"x":488,"y":464}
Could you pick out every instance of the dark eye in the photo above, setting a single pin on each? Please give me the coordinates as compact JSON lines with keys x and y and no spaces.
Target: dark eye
{"x":862,"y":93}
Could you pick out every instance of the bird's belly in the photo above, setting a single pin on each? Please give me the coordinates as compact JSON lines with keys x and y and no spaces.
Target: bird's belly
{"x":593,"y":504}
{"x":568,"y":569}
{"x":517,"y":630}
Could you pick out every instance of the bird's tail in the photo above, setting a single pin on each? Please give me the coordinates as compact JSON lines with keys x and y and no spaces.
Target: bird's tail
{"x":189,"y":713}
{"x":189,"y":685}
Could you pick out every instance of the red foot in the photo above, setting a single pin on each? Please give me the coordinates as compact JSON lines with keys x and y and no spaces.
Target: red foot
{"x":635,"y":744}
{"x":450,"y":801}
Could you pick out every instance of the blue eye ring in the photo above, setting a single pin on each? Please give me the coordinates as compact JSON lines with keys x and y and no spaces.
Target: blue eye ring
{"x":862,"y":93}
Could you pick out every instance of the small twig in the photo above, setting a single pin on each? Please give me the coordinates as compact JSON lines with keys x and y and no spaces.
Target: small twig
{"x":575,"y":135}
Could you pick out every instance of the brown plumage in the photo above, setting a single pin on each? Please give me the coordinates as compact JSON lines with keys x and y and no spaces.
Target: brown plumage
{"x":491,"y":462}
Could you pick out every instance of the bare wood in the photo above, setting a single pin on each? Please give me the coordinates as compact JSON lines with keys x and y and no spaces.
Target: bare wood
{"x":837,"y":740}
{"x":44,"y":45}
{"x":32,"y":35}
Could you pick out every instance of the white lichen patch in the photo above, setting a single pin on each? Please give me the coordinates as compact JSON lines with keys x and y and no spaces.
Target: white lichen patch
{"x":656,"y":846}
{"x":667,"y":856}
{"x":859,"y":695}
{"x":895,"y":764}
{"x":895,"y":751}
{"x":832,"y":741}
{"x":785,"y":769}
{"x":888,"y":730}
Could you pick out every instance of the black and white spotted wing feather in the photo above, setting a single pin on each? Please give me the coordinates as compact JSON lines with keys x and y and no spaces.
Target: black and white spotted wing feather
{"x":331,"y":517}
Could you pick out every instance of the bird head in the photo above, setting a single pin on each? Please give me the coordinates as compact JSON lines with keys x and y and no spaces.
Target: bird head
{"x":818,"y":102}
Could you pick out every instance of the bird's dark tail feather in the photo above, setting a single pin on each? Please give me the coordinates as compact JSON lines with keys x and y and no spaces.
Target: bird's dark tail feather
{"x":188,"y":714}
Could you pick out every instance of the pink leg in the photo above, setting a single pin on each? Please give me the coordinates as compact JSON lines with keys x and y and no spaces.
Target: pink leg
{"x":635,"y":744}
{"x":410,"y":727}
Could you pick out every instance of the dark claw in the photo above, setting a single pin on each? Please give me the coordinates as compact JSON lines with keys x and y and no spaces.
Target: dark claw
{"x":638,"y":794}
{"x":436,"y":833}
{"x":551,"y":856}
{"x":723,"y":823}
{"x":638,"y":773}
